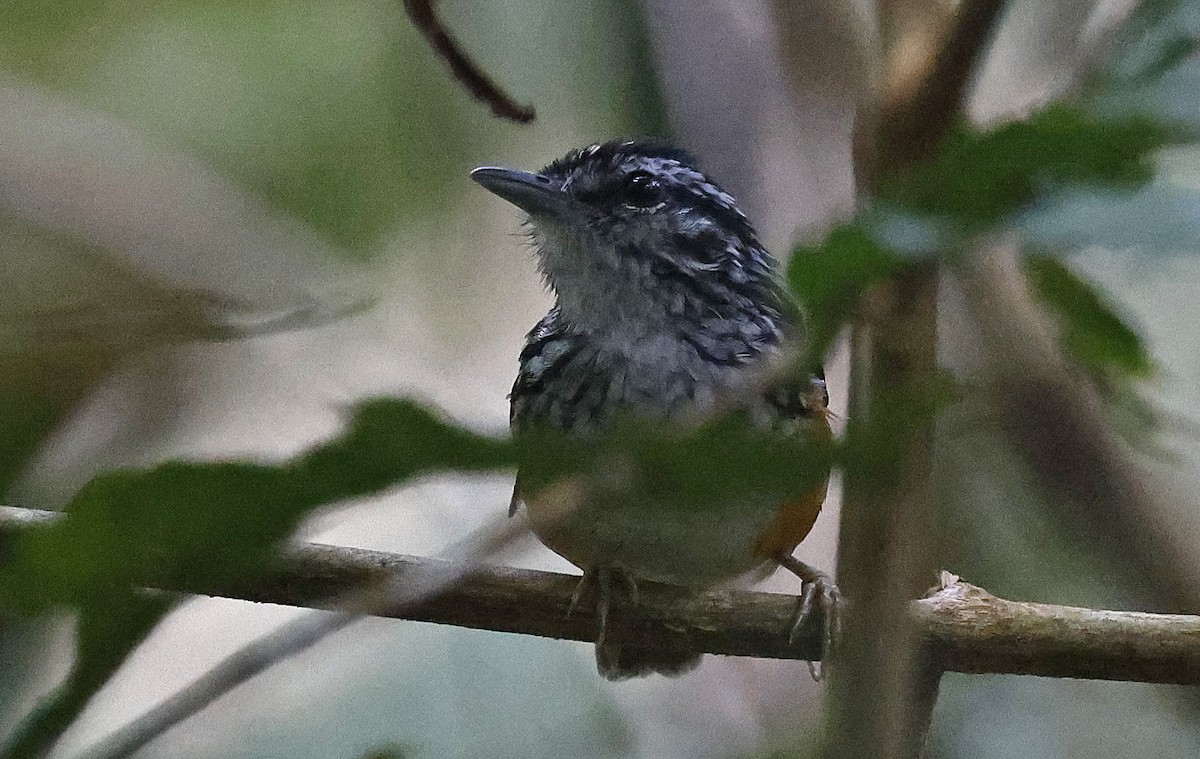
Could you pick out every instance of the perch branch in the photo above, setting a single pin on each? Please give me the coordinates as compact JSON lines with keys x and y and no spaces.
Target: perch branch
{"x":962,"y":627}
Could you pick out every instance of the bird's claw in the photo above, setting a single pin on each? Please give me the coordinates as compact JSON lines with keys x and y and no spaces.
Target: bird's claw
{"x":581,"y":588}
{"x":601,"y":578}
{"x":818,"y":592}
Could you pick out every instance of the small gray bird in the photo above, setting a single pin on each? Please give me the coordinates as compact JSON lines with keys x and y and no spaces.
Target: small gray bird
{"x":667,"y":303}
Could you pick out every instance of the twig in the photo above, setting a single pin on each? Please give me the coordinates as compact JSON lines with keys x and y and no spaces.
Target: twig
{"x":371,"y":594}
{"x":965,"y":628}
{"x":465,"y":70}
{"x":230,"y":672}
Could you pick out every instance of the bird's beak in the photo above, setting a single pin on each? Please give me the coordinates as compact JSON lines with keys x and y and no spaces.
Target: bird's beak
{"x":533,"y":193}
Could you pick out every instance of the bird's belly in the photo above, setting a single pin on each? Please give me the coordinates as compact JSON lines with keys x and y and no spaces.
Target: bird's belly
{"x":692,"y":548}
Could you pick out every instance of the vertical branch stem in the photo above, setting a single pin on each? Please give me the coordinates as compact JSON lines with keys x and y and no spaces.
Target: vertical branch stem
{"x":881,"y":692}
{"x":885,"y":545}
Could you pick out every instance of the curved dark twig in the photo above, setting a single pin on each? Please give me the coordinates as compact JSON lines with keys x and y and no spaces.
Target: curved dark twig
{"x":465,"y":70}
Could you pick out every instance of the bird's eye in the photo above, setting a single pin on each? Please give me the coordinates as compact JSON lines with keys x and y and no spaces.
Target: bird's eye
{"x":642,"y":190}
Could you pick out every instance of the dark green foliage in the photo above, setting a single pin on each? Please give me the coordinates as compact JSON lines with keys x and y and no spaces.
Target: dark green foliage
{"x":979,"y":179}
{"x":210,"y":523}
{"x":716,"y":463}
{"x":391,"y":441}
{"x":200,"y":525}
{"x":980,"y":182}
{"x":829,"y":278}
{"x":1093,"y":333}
{"x":142,"y":527}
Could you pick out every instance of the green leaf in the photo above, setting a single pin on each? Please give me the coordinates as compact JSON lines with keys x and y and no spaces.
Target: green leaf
{"x":1093,"y":333}
{"x":128,"y":528}
{"x":978,"y":179}
{"x":1170,"y":54}
{"x":829,"y":278}
{"x":391,"y":441}
{"x":709,"y":466}
{"x":197,"y":524}
{"x":108,"y":630}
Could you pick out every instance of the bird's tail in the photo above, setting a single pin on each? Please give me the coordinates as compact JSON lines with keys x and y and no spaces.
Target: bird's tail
{"x":621,"y":653}
{"x":622,"y":660}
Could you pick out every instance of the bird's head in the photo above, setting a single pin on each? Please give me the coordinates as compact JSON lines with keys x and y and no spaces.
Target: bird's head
{"x":631,"y":232}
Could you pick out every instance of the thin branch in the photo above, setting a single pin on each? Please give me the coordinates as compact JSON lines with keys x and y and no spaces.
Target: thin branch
{"x":916,"y":112}
{"x":964,"y":628}
{"x":235,"y":669}
{"x":465,"y":70}
{"x":371,"y":594}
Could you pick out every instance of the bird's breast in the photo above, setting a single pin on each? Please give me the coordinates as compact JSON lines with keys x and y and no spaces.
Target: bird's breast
{"x":662,"y":377}
{"x":664,"y":543}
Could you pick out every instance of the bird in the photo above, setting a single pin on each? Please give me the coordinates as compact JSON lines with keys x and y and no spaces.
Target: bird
{"x":665,"y":303}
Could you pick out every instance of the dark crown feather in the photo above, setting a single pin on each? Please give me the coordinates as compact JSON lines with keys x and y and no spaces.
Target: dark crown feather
{"x":615,"y":152}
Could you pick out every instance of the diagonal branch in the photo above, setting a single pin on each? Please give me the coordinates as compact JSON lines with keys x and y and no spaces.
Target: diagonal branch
{"x":1059,"y":425}
{"x":917,"y":111}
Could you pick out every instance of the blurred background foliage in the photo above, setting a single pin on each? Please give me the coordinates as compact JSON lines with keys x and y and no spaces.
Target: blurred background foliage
{"x":181,"y":181}
{"x":336,"y":115}
{"x":179,"y":172}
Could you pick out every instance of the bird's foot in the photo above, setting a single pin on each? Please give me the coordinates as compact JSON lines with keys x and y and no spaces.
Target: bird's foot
{"x":620,"y":654}
{"x":818,"y":592}
{"x":601,"y":580}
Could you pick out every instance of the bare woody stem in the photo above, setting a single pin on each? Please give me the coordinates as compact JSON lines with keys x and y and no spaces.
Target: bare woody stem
{"x":964,"y":628}
{"x":883,"y":689}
